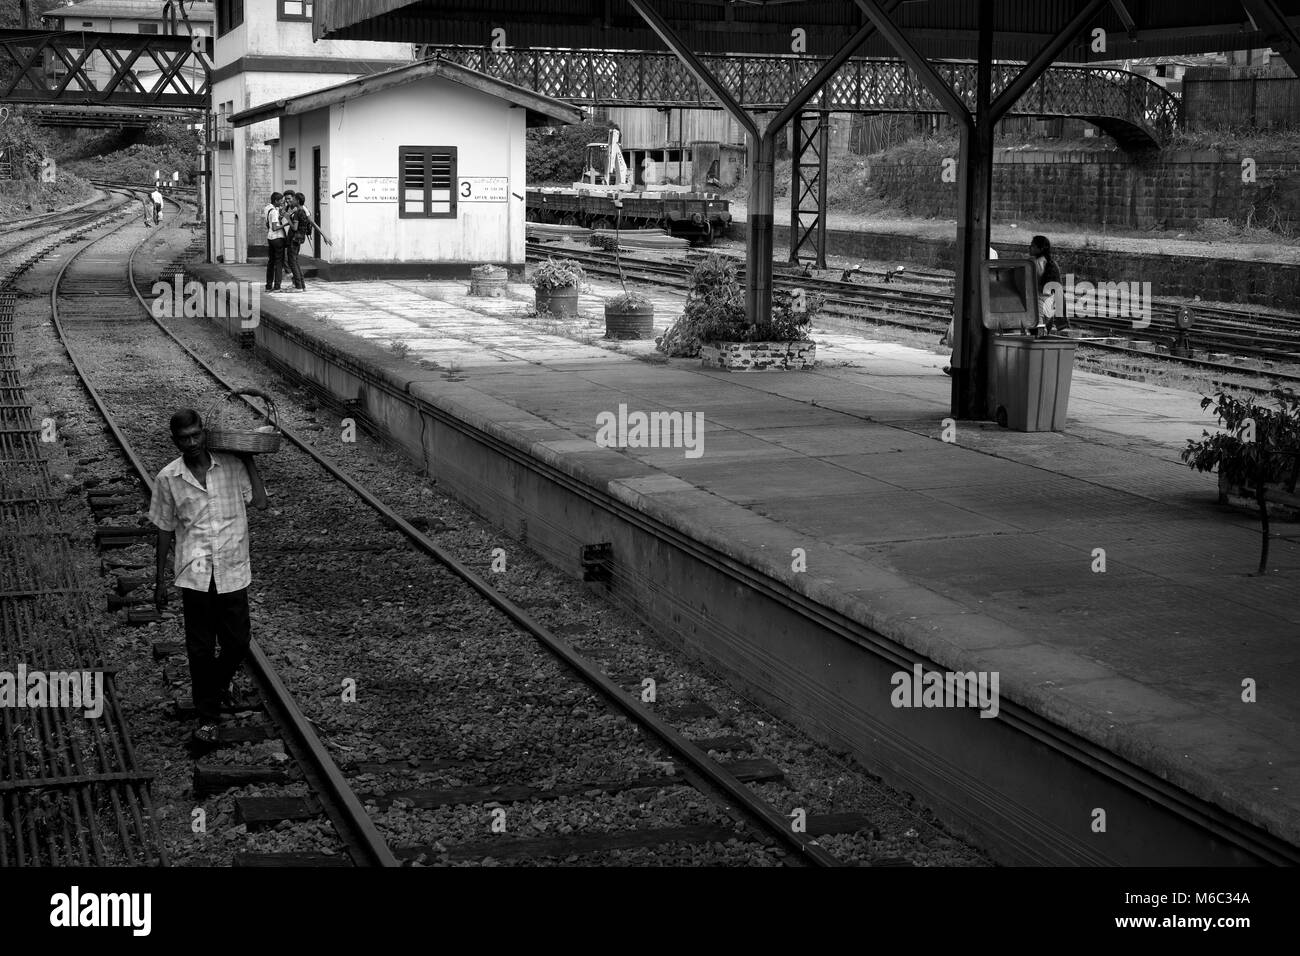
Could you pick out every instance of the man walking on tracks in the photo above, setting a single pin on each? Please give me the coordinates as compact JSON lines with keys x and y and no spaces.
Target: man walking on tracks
{"x":199,"y":499}
{"x":156,"y":197}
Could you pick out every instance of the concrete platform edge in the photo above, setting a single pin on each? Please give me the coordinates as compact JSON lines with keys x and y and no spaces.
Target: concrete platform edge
{"x":895,"y":602}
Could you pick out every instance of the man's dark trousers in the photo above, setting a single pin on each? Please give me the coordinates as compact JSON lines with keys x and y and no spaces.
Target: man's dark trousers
{"x":209,"y":617}
{"x":275,"y":262}
{"x":291,"y":259}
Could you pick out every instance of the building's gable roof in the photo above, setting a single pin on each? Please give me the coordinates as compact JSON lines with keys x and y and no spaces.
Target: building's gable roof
{"x":542,"y":110}
{"x":129,"y":10}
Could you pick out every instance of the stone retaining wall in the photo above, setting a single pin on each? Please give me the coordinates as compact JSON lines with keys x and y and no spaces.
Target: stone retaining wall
{"x":1171,"y":189}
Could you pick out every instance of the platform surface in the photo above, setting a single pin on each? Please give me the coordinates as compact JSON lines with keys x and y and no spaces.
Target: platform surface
{"x":978,"y":553}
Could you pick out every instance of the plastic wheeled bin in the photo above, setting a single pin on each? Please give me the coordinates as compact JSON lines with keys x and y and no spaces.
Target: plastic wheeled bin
{"x":1029,"y":383}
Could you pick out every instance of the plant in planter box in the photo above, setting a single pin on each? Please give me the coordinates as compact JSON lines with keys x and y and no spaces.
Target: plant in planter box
{"x":556,"y":282}
{"x":715,"y":302}
{"x":715,"y":312}
{"x":629,"y":316}
{"x":1259,"y":447}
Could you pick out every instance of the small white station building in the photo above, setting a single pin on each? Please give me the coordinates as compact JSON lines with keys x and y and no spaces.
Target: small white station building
{"x":416,"y":171}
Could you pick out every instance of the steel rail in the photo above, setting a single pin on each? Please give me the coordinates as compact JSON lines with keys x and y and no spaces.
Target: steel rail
{"x":758,"y":810}
{"x":353,"y":824}
{"x":854,"y":295}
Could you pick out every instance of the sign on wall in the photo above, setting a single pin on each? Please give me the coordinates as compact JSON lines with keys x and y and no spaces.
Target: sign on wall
{"x":484,"y":188}
{"x":370,"y":189}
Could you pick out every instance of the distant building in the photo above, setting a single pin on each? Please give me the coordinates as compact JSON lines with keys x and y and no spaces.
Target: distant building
{"x":264,"y":52}
{"x":418,"y":170}
{"x":126,"y":16}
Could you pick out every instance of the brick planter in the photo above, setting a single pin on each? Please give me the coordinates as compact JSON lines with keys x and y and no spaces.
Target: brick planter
{"x":629,"y":323}
{"x":758,"y":356}
{"x":562,"y":301}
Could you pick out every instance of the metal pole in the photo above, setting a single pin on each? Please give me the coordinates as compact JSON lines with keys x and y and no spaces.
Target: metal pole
{"x":207,"y":183}
{"x":970,"y":377}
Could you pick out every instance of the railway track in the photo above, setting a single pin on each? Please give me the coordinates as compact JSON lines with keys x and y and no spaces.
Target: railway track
{"x":556,"y":742}
{"x":71,"y":789}
{"x":853,"y":304}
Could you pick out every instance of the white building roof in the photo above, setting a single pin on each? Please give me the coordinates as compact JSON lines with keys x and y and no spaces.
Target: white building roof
{"x":542,"y":110}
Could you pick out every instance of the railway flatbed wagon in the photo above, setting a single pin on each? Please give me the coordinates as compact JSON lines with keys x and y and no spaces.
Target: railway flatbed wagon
{"x":696,"y":216}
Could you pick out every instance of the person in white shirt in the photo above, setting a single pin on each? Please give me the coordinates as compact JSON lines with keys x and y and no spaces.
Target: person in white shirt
{"x":199,"y":501}
{"x":156,"y":198}
{"x":277,"y":237}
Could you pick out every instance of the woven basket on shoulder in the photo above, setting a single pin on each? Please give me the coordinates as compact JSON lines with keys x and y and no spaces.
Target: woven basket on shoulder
{"x":222,"y":438}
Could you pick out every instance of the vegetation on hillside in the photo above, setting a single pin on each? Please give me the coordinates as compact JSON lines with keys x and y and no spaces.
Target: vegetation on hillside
{"x":555,"y":154}
{"x":133,"y":156}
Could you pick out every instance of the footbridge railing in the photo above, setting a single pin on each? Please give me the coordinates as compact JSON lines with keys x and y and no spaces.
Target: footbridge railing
{"x":1133,"y":109}
{"x":121,"y":69}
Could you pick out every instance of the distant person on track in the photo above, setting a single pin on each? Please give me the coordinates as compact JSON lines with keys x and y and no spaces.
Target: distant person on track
{"x":199,"y":500}
{"x":1040,"y":250}
{"x":952,"y":327}
{"x":276,"y":240}
{"x":156,"y":198}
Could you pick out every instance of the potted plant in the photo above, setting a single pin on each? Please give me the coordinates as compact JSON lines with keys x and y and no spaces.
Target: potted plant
{"x":1258,"y":451}
{"x":556,"y":282}
{"x":716,"y":327}
{"x":629,"y":316}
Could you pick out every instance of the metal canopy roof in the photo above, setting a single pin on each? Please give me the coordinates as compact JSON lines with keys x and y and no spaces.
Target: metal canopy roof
{"x":939,"y":28}
{"x":542,"y":110}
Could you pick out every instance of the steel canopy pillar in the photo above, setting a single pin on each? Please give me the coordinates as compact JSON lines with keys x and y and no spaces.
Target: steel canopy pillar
{"x":762,"y":152}
{"x":970,"y":393}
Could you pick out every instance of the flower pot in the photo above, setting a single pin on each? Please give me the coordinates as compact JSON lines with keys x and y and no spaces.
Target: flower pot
{"x":487,"y":281}
{"x":629,"y":323}
{"x":759,"y":356}
{"x":559,"y":301}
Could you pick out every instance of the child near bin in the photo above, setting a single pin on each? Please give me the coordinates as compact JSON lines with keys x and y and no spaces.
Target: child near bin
{"x":1040,"y":250}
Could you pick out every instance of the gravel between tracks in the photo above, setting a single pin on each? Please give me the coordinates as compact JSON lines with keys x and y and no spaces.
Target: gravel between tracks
{"x":338,"y":595}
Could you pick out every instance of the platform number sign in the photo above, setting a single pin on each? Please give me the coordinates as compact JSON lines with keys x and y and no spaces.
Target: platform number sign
{"x":484,"y":188}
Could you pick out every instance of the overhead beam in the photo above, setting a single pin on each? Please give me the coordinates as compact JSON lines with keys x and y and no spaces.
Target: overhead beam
{"x":1035,"y":67}
{"x":1274,"y":23}
{"x":1126,"y":18}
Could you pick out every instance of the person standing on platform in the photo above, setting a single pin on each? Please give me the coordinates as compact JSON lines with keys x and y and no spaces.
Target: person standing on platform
{"x":310,"y":223}
{"x":649,"y":171}
{"x":292,"y":240}
{"x":1040,"y":250}
{"x":952,"y":327}
{"x":275,"y":242}
{"x":199,"y":501}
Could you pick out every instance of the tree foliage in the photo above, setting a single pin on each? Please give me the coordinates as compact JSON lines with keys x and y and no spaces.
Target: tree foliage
{"x":556,"y":154}
{"x":1258,"y":447}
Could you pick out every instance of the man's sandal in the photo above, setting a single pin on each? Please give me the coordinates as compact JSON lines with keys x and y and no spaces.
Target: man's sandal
{"x":205,"y":734}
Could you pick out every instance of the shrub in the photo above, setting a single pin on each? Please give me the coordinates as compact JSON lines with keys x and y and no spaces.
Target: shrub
{"x":1259,"y":446}
{"x":628,"y":301}
{"x":558,"y":273}
{"x":715,"y":312}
